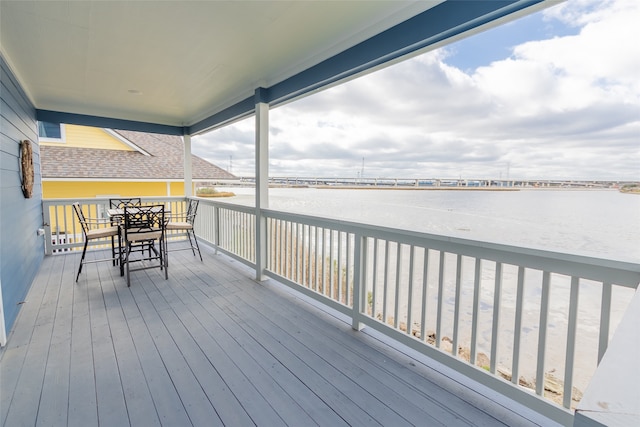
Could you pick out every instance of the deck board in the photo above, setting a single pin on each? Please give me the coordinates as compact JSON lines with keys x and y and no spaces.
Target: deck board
{"x":15,"y":353}
{"x":139,"y":402}
{"x":375,"y":364}
{"x":208,"y":346}
{"x":320,"y":406}
{"x":371,"y":378}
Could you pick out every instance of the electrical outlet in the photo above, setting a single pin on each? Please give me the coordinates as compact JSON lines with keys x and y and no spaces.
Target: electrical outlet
{"x":40,"y":232}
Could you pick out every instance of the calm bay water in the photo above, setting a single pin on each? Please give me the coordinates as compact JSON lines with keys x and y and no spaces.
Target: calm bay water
{"x":602,"y":223}
{"x":598,"y":223}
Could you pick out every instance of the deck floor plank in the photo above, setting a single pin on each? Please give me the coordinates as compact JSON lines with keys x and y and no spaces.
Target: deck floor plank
{"x":207,"y":354}
{"x":194,"y":399}
{"x":383,"y":393}
{"x":164,"y":394}
{"x":194,"y":403}
{"x":322,"y":410}
{"x":83,"y":408}
{"x":53,"y":409}
{"x":394,"y":376}
{"x":444,"y":404}
{"x":14,"y":353}
{"x":296,"y":404}
{"x":140,"y":406}
{"x":222,"y":352}
{"x":345,"y":369}
{"x":112,"y":409}
{"x":208,"y":346}
{"x":40,"y":316}
{"x":375,"y":409}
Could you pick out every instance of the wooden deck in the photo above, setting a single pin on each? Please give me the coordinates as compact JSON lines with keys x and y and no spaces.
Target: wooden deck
{"x":209,"y":346}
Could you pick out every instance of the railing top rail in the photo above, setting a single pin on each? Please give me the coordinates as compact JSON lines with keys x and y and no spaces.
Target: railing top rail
{"x":227,"y":205}
{"x":619,"y":272}
{"x":623,"y":273}
{"x":101,"y":199}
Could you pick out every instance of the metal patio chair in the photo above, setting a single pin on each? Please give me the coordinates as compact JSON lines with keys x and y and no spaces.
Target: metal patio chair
{"x":184,"y":222}
{"x":121,"y":203}
{"x":143,"y":227}
{"x":94,"y":229}
{"x":116,"y":220}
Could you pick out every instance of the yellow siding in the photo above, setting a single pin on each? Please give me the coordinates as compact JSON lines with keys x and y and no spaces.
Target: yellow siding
{"x":81,"y":189}
{"x":90,"y":137}
{"x":177,"y":189}
{"x":62,"y":218}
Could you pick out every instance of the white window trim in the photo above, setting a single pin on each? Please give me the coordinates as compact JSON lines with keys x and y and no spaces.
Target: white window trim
{"x":61,"y":140}
{"x":125,"y":141}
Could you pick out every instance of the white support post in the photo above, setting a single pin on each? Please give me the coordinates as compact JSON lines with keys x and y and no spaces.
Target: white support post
{"x":3,"y":331}
{"x":188,"y":185}
{"x":359,"y":280}
{"x":262,"y":180}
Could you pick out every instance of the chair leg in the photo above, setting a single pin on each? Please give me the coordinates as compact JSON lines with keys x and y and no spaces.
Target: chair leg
{"x":113,"y":251}
{"x":159,"y":255}
{"x":190,"y":242}
{"x":121,"y":254}
{"x":116,"y":251}
{"x":84,"y":251}
{"x":127,"y":263}
{"x":166,"y":252}
{"x":121,"y":260}
{"x":164,"y":257}
{"x":197,"y":246}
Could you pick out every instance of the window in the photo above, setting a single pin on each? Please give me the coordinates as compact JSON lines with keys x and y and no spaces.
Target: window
{"x":51,"y":132}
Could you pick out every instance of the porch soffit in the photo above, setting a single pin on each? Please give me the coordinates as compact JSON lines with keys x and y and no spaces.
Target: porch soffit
{"x":180,"y":64}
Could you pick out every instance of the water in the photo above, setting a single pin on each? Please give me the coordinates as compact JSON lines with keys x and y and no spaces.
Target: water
{"x":601,"y":223}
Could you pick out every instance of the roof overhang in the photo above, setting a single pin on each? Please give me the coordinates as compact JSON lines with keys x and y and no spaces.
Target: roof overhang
{"x":186,"y":67}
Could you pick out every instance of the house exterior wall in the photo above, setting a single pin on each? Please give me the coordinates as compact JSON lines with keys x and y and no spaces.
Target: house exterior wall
{"x":87,"y":189}
{"x":21,"y":249}
{"x":69,"y":189}
{"x":89,"y":137}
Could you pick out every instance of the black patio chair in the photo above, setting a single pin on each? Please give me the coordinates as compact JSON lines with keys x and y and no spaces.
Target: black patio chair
{"x":184,"y":222}
{"x":121,"y":203}
{"x":94,"y":229}
{"x":143,"y":227}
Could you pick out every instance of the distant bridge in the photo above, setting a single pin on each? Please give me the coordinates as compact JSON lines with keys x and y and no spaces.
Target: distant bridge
{"x":426,"y":183}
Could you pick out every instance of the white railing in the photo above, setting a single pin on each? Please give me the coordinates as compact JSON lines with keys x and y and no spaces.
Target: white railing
{"x":229,"y":228}
{"x":63,"y":232}
{"x":511,"y":318}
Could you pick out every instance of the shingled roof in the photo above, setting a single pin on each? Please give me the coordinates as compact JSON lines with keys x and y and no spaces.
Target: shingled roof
{"x":164,"y":162}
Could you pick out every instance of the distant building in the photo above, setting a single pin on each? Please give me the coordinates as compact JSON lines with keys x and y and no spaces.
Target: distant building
{"x":80,"y":161}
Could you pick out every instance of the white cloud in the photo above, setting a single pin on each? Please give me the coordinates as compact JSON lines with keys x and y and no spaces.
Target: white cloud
{"x":605,"y":55}
{"x":565,"y":107}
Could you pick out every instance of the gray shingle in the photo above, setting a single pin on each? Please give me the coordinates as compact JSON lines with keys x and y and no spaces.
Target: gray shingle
{"x":166,"y":160}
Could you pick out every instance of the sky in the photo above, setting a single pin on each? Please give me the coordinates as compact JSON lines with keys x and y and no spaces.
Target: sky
{"x":553,"y":95}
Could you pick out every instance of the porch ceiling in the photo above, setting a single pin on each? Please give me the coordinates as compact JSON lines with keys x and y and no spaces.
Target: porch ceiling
{"x":178,"y":63}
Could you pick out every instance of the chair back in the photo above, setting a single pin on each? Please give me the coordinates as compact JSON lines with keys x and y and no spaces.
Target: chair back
{"x":143,"y":219}
{"x":81,"y":218}
{"x":192,"y":210}
{"x":122,"y":203}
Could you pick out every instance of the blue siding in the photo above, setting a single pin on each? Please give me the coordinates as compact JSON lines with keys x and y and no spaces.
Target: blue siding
{"x":106,"y":122}
{"x":242,"y":109}
{"x":21,"y":250}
